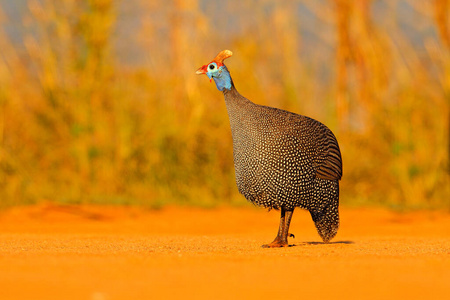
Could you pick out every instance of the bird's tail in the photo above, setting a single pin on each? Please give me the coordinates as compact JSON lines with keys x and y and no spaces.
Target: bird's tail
{"x":325,"y":213}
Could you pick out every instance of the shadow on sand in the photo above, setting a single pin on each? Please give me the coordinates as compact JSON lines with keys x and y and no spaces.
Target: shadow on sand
{"x":322,"y":243}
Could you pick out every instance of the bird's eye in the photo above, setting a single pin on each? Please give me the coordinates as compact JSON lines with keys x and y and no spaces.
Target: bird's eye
{"x":211,"y":67}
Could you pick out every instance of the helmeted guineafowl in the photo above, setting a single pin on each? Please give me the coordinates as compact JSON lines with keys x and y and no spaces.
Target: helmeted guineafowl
{"x":282,"y":160}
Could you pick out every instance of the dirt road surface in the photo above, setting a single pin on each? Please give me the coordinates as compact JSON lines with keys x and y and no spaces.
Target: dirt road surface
{"x":102,"y":253}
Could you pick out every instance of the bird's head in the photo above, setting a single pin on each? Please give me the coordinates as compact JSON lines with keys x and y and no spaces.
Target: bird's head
{"x":218,"y":71}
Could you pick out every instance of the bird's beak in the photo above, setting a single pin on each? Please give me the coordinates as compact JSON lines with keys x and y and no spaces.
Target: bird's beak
{"x":201,"y":70}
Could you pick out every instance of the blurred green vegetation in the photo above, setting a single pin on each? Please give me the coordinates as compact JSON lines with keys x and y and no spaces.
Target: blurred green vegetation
{"x":77,"y":125}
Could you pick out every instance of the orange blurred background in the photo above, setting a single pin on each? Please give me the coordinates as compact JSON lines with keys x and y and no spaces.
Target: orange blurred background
{"x":99,"y":101}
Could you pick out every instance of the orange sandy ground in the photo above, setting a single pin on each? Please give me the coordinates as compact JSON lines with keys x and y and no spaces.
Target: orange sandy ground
{"x":100,"y":253}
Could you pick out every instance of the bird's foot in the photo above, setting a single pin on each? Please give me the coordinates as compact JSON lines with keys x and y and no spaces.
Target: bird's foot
{"x":276,"y":244}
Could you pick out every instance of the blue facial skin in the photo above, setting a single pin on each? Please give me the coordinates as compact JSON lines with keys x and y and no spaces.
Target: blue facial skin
{"x":220,"y":75}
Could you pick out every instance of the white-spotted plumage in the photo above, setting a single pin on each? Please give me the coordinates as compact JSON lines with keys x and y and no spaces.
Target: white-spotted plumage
{"x":285,"y":160}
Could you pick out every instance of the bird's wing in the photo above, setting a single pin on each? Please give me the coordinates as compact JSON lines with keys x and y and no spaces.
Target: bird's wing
{"x":317,"y":141}
{"x":331,"y":161}
{"x":326,"y":155}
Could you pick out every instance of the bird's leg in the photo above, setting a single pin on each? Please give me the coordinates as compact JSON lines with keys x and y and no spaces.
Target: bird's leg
{"x":277,"y":241}
{"x":283,"y":230}
{"x":286,"y":234}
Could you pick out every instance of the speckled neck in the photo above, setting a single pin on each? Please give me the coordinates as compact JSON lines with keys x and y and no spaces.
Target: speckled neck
{"x":234,"y":99}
